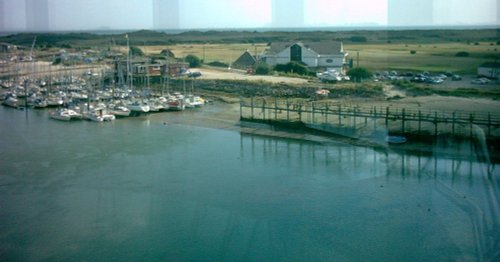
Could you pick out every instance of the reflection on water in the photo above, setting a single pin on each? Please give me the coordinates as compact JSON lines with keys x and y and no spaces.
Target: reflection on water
{"x":137,"y":189}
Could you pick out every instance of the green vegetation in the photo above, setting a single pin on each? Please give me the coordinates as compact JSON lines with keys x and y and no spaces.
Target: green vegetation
{"x":136,"y":51}
{"x":218,"y":64}
{"x":358,"y":39}
{"x":193,"y":61}
{"x":359,"y":73}
{"x":462,"y":54}
{"x":364,"y":90}
{"x":292,"y":67}
{"x":262,"y":69}
{"x":56,"y":61}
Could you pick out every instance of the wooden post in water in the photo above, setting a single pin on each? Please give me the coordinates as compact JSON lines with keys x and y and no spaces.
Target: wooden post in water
{"x":366,"y":119}
{"x":403,"y":118}
{"x":435,"y":124}
{"x":387,"y":118}
{"x":263,"y":109}
{"x":312,"y":112}
{"x":300,"y":112}
{"x":489,"y":124}
{"x":453,"y":124}
{"x":326,"y":113}
{"x":471,"y":119}
{"x":251,"y":104}
{"x":375,"y":118}
{"x":340,"y":114}
{"x":287,"y":110}
{"x":354,"y":116}
{"x":275,"y":109}
{"x":241,"y":107}
{"x":419,"y":122}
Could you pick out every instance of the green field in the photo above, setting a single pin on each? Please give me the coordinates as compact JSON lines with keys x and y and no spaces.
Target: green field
{"x":437,"y":57}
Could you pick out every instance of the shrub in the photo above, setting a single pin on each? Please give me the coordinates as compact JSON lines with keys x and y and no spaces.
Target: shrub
{"x":292,"y":67}
{"x":462,"y":54}
{"x":193,"y":61}
{"x":218,"y":64}
{"x":413,"y":52}
{"x":359,"y":73}
{"x":262,"y":69}
{"x":358,"y":39}
{"x":56,"y":61}
{"x":134,"y":50}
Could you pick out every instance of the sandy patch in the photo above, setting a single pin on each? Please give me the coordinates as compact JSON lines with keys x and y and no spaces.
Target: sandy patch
{"x":211,"y":73}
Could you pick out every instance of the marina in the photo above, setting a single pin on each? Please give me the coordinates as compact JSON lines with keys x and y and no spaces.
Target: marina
{"x":90,"y":99}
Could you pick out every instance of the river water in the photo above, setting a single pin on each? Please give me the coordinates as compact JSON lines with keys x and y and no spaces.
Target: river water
{"x":143,"y":189}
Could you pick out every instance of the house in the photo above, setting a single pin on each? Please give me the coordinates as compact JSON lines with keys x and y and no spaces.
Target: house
{"x":245,"y":61}
{"x":489,"y":69}
{"x":6,"y":47}
{"x":156,"y":69}
{"x":314,"y":54}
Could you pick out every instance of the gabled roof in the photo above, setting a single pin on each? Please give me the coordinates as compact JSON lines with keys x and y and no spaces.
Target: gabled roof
{"x":321,"y":47}
{"x":245,"y":60}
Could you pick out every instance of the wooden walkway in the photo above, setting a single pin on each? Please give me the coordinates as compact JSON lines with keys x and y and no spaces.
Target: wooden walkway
{"x":357,"y":120}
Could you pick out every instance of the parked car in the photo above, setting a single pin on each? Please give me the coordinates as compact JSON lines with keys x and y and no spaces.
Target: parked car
{"x":456,"y":78}
{"x":480,"y":81}
{"x":194,"y":74}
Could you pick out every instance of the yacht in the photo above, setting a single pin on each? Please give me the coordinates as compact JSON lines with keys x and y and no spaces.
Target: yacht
{"x":65,"y":115}
{"x":10,"y":101}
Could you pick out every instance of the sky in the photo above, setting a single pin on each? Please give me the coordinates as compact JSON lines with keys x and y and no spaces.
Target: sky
{"x":206,"y":14}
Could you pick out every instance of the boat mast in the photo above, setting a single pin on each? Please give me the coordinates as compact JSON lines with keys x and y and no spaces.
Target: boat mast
{"x":129,"y":72}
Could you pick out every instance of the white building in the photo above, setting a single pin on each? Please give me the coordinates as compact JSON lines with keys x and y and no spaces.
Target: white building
{"x":314,"y":54}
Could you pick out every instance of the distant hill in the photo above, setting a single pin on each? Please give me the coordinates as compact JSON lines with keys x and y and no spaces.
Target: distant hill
{"x":149,"y":37}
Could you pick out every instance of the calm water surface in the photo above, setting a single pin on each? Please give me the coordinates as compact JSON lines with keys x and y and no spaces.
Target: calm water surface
{"x":139,"y":190}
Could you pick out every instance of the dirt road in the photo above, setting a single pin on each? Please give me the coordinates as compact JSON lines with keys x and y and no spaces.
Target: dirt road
{"x":212,"y":73}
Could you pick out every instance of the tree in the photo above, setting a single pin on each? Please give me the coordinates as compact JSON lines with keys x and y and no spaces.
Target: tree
{"x":193,"y":61}
{"x":462,"y":54}
{"x":292,"y":67}
{"x":359,"y":74}
{"x":262,"y":69}
{"x":136,"y":51}
{"x":358,"y":39}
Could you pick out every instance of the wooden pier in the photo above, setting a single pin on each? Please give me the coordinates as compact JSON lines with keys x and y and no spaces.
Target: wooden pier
{"x":360,"y":121}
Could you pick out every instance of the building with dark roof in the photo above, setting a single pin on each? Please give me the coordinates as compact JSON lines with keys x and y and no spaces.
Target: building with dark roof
{"x":313,"y":54}
{"x":245,"y":61}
